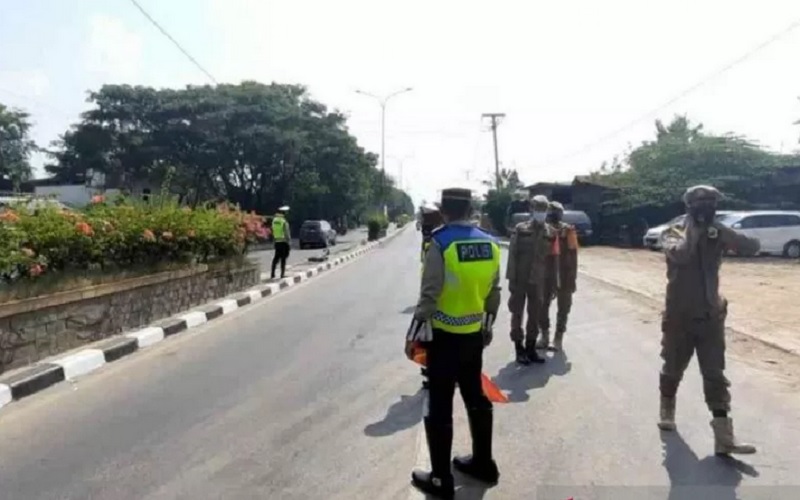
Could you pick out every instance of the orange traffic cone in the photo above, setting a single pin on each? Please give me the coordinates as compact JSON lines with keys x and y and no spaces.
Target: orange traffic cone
{"x":490,"y":389}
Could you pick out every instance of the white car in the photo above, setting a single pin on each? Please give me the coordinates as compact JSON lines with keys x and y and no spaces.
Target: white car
{"x":654,"y":238}
{"x":777,"y":230}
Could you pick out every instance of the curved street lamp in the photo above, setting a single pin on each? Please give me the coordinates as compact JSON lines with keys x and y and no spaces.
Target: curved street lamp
{"x":383,"y":101}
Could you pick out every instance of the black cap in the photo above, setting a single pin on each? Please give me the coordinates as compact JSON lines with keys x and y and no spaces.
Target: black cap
{"x":457,"y":194}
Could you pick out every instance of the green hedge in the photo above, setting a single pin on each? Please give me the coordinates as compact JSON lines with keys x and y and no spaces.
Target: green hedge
{"x":376,"y":226}
{"x":121,"y":236}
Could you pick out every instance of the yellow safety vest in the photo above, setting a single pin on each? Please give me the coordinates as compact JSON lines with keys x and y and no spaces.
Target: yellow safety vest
{"x":279,"y":228}
{"x":471,"y":265}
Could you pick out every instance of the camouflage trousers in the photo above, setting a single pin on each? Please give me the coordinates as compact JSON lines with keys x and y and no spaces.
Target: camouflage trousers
{"x":682,"y":336}
{"x":564,"y":305}
{"x":525,"y":299}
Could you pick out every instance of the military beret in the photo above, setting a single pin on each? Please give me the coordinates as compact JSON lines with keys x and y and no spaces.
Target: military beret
{"x":701,"y":193}
{"x":457,"y":194}
{"x":554,"y":205}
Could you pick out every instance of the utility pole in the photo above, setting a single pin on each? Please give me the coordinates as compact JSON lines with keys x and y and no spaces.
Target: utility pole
{"x":495,"y":121}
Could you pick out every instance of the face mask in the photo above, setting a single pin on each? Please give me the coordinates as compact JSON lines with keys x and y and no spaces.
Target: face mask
{"x":554,"y":217}
{"x":539,"y":216}
{"x":703,"y":214}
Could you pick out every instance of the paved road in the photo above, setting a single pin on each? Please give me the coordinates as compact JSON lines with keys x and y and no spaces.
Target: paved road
{"x":307,"y":396}
{"x":297,"y":256}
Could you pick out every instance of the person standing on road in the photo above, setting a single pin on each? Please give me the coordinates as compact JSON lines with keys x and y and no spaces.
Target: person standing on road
{"x":531,"y":243}
{"x":458,"y":302}
{"x":431,"y":219}
{"x":561,"y":278}
{"x":282,"y":236}
{"x":695,"y":313}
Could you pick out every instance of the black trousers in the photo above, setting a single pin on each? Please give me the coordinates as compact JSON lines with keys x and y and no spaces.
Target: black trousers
{"x":454,"y":359}
{"x":281,"y":254}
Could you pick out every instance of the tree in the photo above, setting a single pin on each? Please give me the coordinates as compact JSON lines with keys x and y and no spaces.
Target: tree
{"x":261,"y":146}
{"x":498,"y":200}
{"x":657,"y":172}
{"x":15,"y":146}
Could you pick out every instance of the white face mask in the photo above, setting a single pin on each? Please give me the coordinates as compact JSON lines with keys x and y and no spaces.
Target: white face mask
{"x":539,"y":216}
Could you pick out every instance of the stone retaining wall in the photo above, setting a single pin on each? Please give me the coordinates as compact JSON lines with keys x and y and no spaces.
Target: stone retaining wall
{"x":33,"y":329}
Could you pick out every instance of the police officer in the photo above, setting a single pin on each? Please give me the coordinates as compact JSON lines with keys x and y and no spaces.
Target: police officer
{"x":431,"y":218}
{"x":458,"y":302}
{"x":282,"y":237}
{"x":694,"y":316}
{"x":561,"y":278}
{"x":531,"y":243}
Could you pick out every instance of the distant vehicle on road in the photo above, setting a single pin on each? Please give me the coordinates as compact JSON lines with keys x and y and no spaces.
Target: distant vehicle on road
{"x":654,"y":238}
{"x":582,"y":223}
{"x":577,"y":218}
{"x":316,"y":233}
{"x":777,"y":230}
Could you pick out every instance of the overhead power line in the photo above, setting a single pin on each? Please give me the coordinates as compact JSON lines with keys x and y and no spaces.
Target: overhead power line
{"x":175,"y":42}
{"x":683,"y":93}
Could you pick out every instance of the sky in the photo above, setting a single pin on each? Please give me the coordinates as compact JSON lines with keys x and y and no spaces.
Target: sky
{"x":577,"y":79}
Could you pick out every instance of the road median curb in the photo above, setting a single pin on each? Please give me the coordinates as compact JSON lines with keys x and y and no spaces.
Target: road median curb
{"x":68,"y":366}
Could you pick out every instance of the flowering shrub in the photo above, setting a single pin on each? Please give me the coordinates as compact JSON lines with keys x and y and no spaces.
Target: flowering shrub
{"x":33,"y":243}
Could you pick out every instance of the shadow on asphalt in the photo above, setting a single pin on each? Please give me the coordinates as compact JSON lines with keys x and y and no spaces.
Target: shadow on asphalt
{"x":409,"y":310}
{"x":518,"y":380}
{"x":402,"y":415}
{"x":710,"y":478}
{"x":468,"y":488}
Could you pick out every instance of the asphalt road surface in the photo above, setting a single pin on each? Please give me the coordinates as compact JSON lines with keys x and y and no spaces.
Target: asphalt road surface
{"x":297,"y":256}
{"x":308,"y":396}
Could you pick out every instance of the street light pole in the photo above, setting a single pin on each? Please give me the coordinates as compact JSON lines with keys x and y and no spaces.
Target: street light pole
{"x":383,"y":101}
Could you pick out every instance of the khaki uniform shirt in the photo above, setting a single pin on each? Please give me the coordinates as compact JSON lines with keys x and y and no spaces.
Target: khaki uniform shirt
{"x":693,"y":269}
{"x":531,"y":243}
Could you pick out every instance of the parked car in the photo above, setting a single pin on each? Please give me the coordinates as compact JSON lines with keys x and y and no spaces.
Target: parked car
{"x":316,"y":233}
{"x":582,"y":223}
{"x":778,"y":230}
{"x":654,"y":238}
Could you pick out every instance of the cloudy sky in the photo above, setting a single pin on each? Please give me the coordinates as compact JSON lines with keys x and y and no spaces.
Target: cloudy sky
{"x":578,"y":79}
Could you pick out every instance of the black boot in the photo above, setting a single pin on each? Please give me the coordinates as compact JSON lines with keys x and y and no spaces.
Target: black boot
{"x":480,"y":464}
{"x":533,"y":354}
{"x":439,"y":482}
{"x":522,"y":356}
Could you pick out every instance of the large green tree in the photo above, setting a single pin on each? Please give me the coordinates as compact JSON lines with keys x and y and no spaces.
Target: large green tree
{"x":261,"y":146}
{"x":499,"y":198}
{"x":657,"y":172}
{"x":15,"y":146}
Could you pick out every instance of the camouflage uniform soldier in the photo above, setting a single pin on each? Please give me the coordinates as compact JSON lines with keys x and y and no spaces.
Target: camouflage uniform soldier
{"x":531,"y":243}
{"x":694,"y":317}
{"x":560,"y":281}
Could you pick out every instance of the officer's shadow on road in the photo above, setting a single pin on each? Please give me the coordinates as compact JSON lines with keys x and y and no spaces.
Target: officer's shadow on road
{"x":710,"y":478}
{"x":519,"y":380}
{"x":401,"y":415}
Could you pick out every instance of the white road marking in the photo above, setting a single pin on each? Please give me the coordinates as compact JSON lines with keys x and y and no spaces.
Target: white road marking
{"x":255,"y":295}
{"x":81,"y":363}
{"x":5,"y":395}
{"x":194,"y":318}
{"x":147,"y":337}
{"x":228,"y":306}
